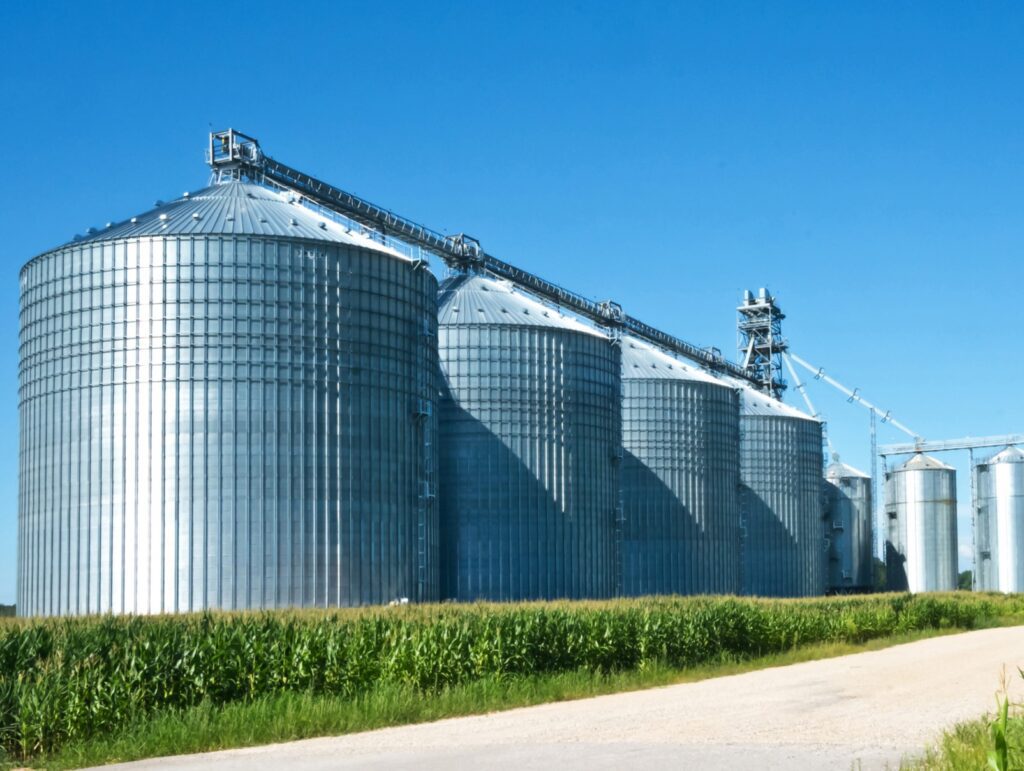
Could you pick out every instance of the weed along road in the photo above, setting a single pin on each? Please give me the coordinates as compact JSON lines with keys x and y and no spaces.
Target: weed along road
{"x":871,"y":708}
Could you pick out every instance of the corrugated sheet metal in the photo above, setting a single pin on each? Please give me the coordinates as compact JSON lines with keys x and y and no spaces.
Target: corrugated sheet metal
{"x":921,"y":546}
{"x":479,"y":300}
{"x":234,"y":208}
{"x":999,"y":527}
{"x":225,"y":421}
{"x":781,"y":504}
{"x":680,"y":477}
{"x":530,"y":432}
{"x":848,"y":528}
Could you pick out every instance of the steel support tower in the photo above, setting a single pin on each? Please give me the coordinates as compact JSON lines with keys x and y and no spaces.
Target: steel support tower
{"x":761,"y":344}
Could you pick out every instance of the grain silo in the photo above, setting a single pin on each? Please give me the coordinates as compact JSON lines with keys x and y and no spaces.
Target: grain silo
{"x":530,"y":437}
{"x":999,"y":524}
{"x":921,"y":544}
{"x":225,"y":402}
{"x":680,"y":477}
{"x":848,"y":529}
{"x":782,"y":544}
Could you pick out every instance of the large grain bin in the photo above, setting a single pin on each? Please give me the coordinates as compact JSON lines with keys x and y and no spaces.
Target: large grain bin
{"x":680,"y":477}
{"x":781,"y":507}
{"x":921,"y":545}
{"x":848,"y":528}
{"x":225,"y":402}
{"x":999,"y":524}
{"x":530,"y":434}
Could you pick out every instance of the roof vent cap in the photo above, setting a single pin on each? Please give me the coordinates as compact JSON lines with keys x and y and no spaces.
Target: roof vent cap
{"x":134,"y":220}
{"x":185,"y":194}
{"x":163,"y":216}
{"x":196,"y":215}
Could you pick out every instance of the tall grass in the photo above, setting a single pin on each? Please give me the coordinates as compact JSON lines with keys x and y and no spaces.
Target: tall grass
{"x":65,"y":681}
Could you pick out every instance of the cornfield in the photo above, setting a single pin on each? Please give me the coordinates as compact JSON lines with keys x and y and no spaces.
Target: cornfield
{"x":68,"y":680}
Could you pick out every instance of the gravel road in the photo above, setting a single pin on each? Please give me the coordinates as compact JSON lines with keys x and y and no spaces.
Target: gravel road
{"x":862,"y":711}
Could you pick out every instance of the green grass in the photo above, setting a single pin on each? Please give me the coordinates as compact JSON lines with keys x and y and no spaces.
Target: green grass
{"x":290,"y":716}
{"x":994,"y":742}
{"x":72,"y":683}
{"x":967,"y":746}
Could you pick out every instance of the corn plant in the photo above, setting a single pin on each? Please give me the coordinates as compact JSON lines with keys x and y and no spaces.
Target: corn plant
{"x":69,"y":679}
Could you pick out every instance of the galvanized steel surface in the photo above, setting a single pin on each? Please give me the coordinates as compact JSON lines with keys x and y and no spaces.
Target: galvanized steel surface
{"x":783,"y":547}
{"x":848,"y":528}
{"x":233,"y":208}
{"x":999,"y":527}
{"x":530,"y":432}
{"x":234,"y":421}
{"x":680,"y":477}
{"x":921,"y":545}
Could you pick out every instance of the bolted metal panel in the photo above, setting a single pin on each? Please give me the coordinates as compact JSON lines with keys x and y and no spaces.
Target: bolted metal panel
{"x":999,"y":524}
{"x":226,"y":421}
{"x":680,"y":477}
{"x":781,"y":507}
{"x":530,"y":431}
{"x":921,"y":544}
{"x":848,"y":529}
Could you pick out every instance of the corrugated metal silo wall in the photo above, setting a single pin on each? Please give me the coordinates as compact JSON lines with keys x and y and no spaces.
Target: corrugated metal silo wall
{"x":680,"y":487}
{"x":999,"y":527}
{"x":223,"y":422}
{"x":529,"y":482}
{"x":783,"y":547}
{"x":848,"y":528}
{"x":921,"y":544}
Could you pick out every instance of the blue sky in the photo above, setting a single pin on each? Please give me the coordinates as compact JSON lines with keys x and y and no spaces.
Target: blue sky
{"x":863,"y":160}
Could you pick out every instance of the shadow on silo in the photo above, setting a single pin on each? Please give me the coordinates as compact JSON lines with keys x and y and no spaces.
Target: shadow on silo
{"x":895,"y":569}
{"x":504,"y":535}
{"x":774,"y":565}
{"x":664,"y":548}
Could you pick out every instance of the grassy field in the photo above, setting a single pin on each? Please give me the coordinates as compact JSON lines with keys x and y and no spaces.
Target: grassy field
{"x":79,"y":692}
{"x":993,"y":742}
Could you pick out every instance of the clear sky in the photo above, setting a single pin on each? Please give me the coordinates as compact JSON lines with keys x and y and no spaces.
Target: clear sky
{"x":863,"y":160}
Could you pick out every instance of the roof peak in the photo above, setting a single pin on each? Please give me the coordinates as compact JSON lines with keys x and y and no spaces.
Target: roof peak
{"x":235,"y":208}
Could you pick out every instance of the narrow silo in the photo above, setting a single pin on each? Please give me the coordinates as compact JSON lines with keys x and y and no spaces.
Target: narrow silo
{"x":782,"y":544}
{"x":921,"y":546}
{"x":999,"y":524}
{"x":680,"y":477}
{"x":530,"y":438}
{"x":848,"y":517}
{"x":225,"y":402}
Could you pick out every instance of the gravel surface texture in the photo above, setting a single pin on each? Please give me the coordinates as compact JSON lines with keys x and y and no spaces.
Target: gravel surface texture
{"x":864,"y":711}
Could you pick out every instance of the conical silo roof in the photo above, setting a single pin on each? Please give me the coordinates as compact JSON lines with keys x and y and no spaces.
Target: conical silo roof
{"x":839,"y":470}
{"x":924,"y":462}
{"x":1009,"y":455}
{"x":756,"y":403}
{"x":472,"y":300}
{"x":235,"y":208}
{"x":643,"y":361}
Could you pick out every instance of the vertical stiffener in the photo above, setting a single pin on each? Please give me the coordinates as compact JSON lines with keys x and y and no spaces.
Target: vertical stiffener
{"x":921,"y":544}
{"x":225,"y":402}
{"x":781,"y":507}
{"x":999,"y":523}
{"x":848,"y":529}
{"x":680,"y":477}
{"x":530,"y":444}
